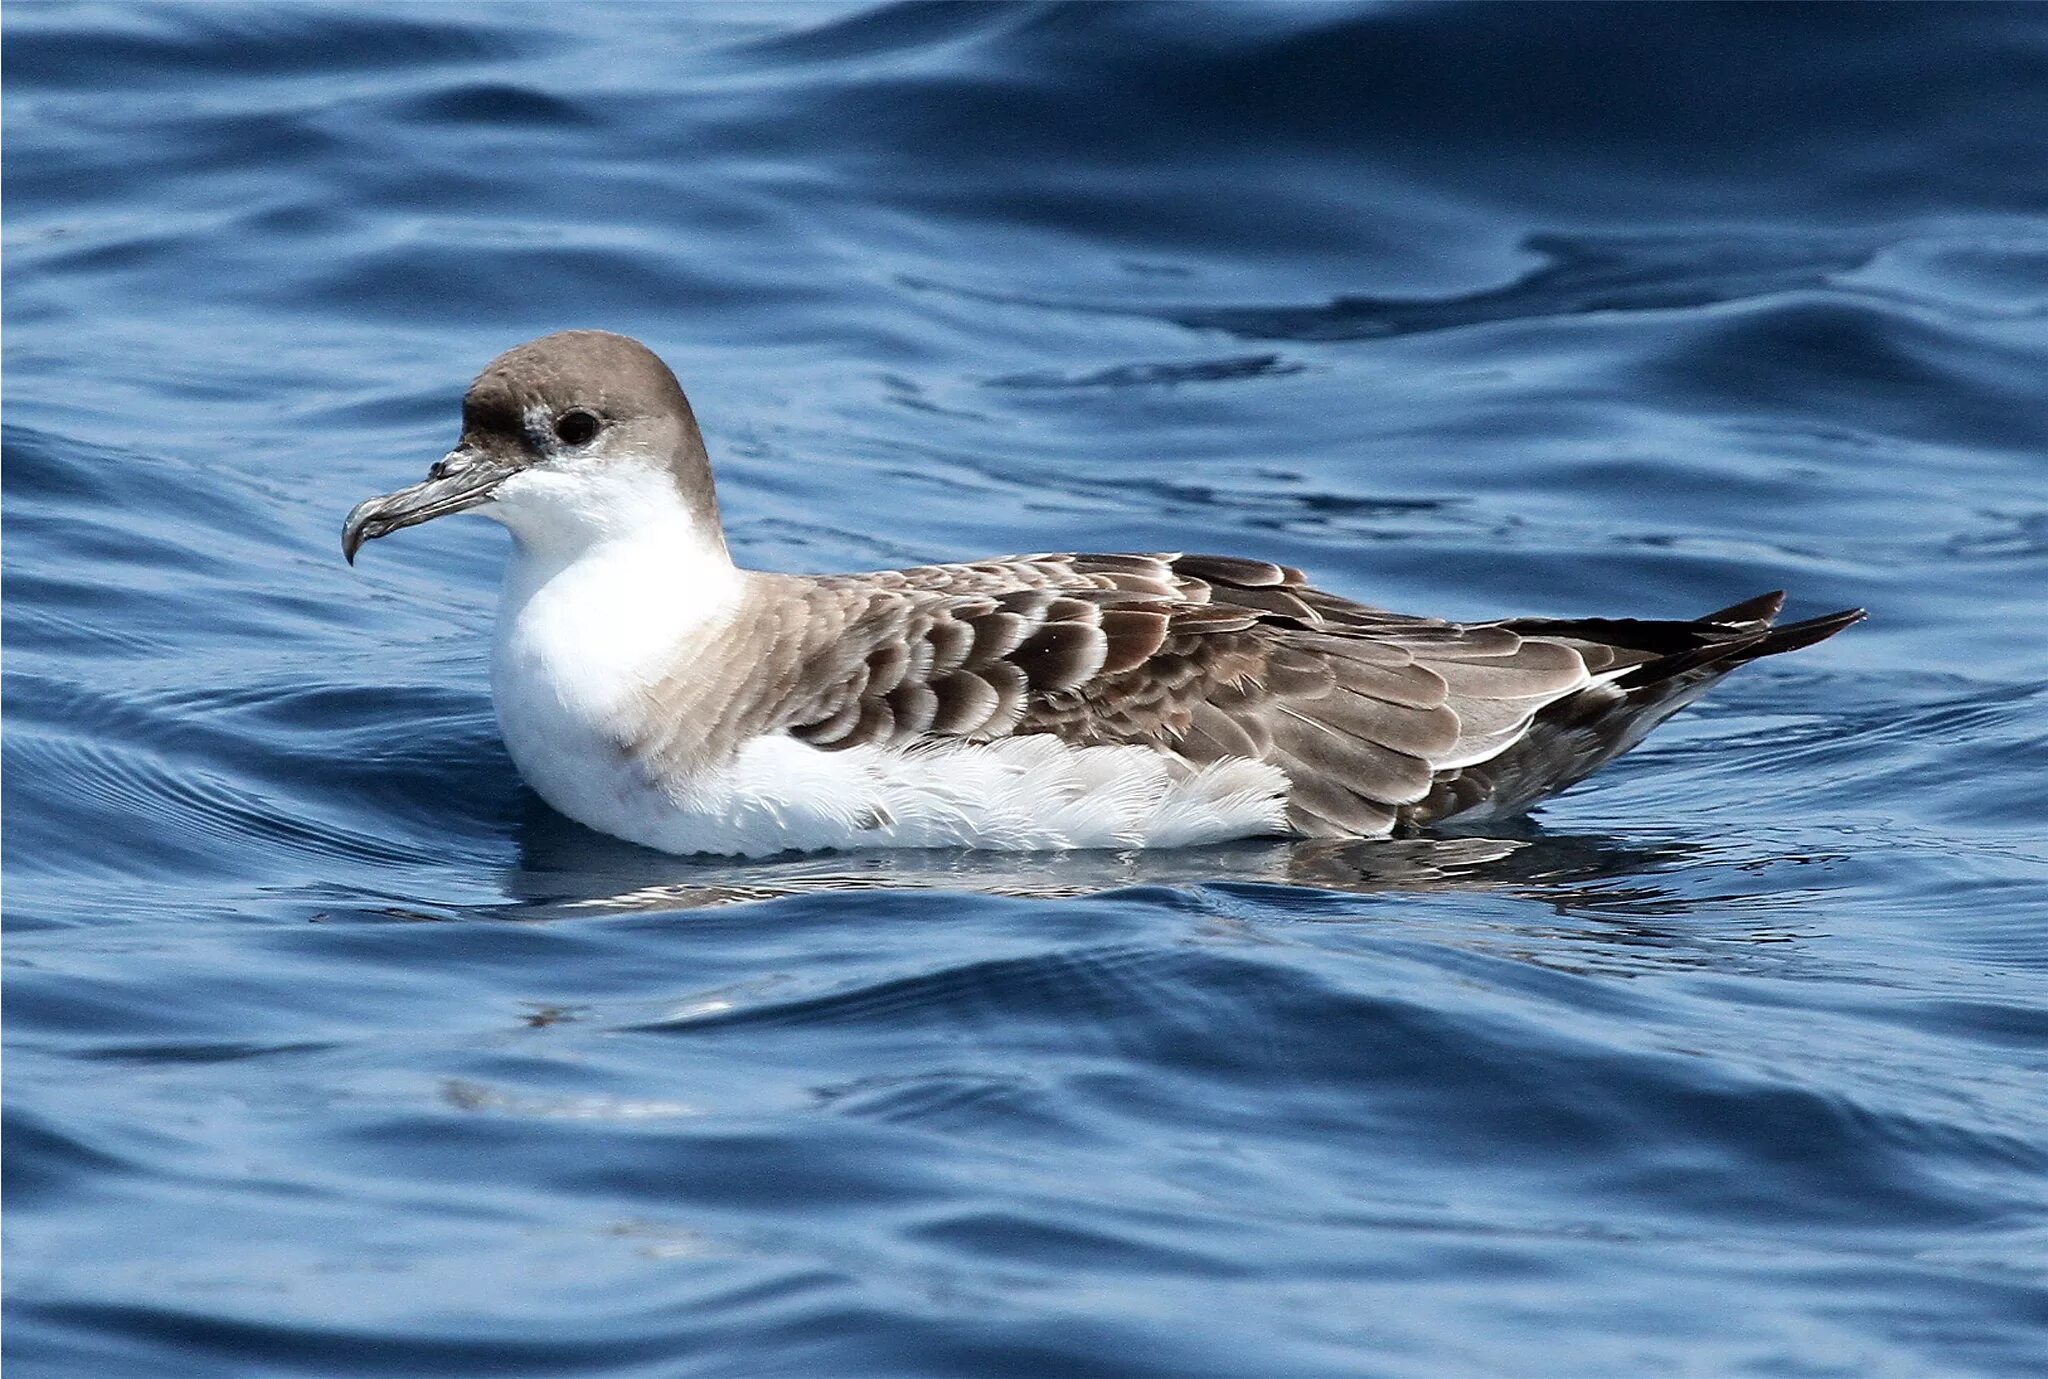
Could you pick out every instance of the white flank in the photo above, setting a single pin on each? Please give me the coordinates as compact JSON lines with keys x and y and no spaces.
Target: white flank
{"x":1017,"y":794}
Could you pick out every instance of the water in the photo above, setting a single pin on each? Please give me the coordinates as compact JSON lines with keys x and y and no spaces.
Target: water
{"x":331,"y":1052}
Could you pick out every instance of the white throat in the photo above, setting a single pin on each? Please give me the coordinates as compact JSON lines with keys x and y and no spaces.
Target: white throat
{"x":561,"y":512}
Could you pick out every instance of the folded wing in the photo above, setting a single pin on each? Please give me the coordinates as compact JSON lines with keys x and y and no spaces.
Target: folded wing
{"x":1379,"y":720}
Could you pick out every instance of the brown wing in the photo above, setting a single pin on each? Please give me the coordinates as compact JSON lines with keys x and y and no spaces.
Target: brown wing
{"x":1376,"y":718}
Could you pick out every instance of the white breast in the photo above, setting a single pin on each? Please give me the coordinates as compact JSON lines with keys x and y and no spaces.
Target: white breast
{"x":609,"y":584}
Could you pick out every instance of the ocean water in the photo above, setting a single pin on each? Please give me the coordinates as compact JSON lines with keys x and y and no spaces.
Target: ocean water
{"x":331,"y":1052}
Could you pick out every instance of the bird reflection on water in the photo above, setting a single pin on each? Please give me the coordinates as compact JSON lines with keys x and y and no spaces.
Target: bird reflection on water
{"x":567,"y":871}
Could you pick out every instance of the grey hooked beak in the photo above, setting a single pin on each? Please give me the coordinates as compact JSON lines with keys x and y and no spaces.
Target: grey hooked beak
{"x":460,"y":479}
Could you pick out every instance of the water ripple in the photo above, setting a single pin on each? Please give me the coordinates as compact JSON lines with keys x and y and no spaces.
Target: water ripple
{"x":331,"y":1051}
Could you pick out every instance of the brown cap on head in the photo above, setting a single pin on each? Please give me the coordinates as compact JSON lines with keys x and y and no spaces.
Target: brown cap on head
{"x":615,"y":375}
{"x":621,"y":382}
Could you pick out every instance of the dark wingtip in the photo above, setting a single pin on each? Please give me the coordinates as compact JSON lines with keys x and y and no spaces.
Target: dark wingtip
{"x":1793,"y":636}
{"x":1731,"y":643}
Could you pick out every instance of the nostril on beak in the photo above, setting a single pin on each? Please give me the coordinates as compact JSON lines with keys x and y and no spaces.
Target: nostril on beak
{"x":451,"y":464}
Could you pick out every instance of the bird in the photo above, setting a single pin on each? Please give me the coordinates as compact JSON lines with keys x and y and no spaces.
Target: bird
{"x":650,"y":688}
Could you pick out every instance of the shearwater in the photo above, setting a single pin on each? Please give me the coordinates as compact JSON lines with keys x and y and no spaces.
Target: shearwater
{"x":648,"y":687}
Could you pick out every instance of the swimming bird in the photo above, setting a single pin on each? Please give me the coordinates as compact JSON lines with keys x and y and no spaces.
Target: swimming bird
{"x":648,"y":687}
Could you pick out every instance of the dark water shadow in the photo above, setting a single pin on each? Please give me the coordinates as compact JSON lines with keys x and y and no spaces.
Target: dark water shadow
{"x":1575,"y":275}
{"x":1581,"y":275}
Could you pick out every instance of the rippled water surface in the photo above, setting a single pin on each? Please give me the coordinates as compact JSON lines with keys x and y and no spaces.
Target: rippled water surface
{"x":331,"y":1052}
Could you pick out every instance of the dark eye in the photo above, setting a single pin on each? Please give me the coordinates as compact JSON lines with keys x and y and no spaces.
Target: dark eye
{"x":577,"y":427}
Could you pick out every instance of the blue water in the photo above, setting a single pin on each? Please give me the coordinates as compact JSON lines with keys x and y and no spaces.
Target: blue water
{"x":331,"y":1052}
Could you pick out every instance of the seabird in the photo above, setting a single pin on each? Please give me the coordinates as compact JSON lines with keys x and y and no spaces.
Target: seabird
{"x":648,"y":687}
